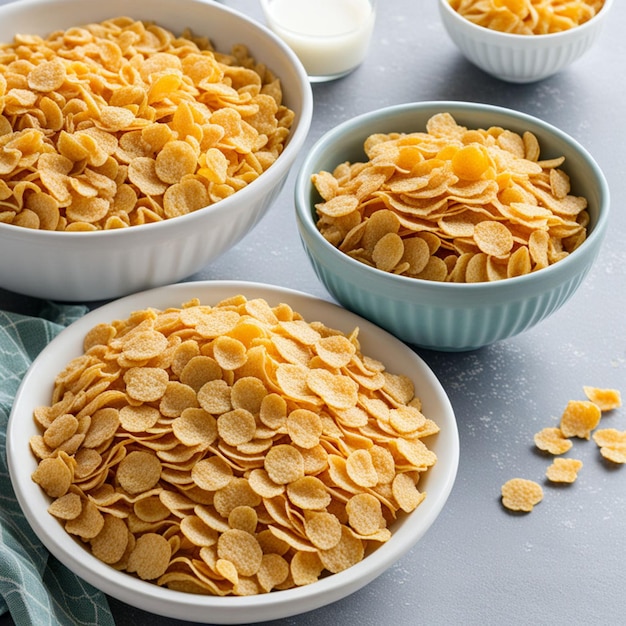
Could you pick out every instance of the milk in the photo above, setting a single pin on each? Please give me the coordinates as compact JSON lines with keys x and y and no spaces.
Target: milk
{"x":330,"y":37}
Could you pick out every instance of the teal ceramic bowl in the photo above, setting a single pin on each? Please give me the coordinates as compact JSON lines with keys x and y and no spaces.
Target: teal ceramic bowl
{"x":441,"y":315}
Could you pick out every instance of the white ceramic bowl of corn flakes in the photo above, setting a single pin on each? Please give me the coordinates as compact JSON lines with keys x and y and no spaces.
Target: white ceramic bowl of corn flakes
{"x":447,"y":174}
{"x":519,"y":42}
{"x":437,"y":455}
{"x":190,"y":152}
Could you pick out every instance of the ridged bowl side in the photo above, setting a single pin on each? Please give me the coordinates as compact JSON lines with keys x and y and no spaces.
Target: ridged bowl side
{"x":439,"y":315}
{"x":99,"y":265}
{"x":521,"y":58}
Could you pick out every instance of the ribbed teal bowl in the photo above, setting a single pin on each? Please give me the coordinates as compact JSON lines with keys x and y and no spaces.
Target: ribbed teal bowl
{"x":438,"y":315}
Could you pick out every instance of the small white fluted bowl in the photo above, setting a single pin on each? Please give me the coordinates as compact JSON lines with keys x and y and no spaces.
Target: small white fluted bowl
{"x":407,"y":530}
{"x":521,"y":58}
{"x":98,"y":265}
{"x":437,"y":315}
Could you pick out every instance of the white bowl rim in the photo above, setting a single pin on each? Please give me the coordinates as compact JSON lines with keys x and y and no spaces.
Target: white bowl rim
{"x":230,"y":610}
{"x":502,"y":37}
{"x":269,"y":177}
{"x":303,"y":210}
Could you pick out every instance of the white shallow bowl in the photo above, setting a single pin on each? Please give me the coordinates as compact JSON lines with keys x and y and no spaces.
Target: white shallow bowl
{"x":441,"y":315}
{"x":88,"y":266}
{"x":521,"y":58}
{"x":36,"y":388}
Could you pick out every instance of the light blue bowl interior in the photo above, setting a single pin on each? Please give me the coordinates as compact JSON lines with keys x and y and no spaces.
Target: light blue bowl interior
{"x":436,"y":315}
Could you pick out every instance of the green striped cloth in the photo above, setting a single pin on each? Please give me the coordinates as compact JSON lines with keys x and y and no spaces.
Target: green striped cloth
{"x":35,"y":588}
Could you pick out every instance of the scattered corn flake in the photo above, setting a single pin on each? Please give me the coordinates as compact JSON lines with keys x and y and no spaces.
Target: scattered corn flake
{"x":612,"y":444}
{"x":552,"y":440}
{"x":521,"y":494}
{"x":606,"y":399}
{"x":564,"y":470}
{"x":579,"y":418}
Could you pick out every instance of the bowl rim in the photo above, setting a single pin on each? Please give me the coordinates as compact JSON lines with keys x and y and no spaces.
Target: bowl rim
{"x":226,"y":610}
{"x":269,"y":178}
{"x":304,"y":211}
{"x":496,"y":36}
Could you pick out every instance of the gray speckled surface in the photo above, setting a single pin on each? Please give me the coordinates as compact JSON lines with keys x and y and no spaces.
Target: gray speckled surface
{"x":564,"y":562}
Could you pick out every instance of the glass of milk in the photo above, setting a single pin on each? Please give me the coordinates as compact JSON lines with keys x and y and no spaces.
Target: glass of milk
{"x":330,"y":37}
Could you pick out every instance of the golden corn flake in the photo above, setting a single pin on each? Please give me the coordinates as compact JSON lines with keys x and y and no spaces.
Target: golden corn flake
{"x":66,"y":507}
{"x":306,"y":567}
{"x":521,"y":494}
{"x":606,"y":399}
{"x":552,"y":440}
{"x":612,"y":444}
{"x":365,"y":514}
{"x":348,"y":551}
{"x":232,"y":449}
{"x":452,"y":204}
{"x":138,"y":471}
{"x":123,"y":123}
{"x":54,"y":476}
{"x":110,"y":544}
{"x":323,"y":529}
{"x":528,"y":17}
{"x":88,"y":524}
{"x":405,"y":491}
{"x":150,"y":556}
{"x":579,"y":418}
{"x":242,"y":549}
{"x":564,"y":470}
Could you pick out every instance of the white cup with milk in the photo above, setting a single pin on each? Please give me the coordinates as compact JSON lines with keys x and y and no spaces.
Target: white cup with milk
{"x":330,"y":37}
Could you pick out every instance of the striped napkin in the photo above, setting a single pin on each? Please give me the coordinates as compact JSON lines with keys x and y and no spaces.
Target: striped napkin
{"x":35,"y":588}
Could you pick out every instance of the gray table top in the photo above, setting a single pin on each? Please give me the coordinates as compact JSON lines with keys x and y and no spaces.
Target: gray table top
{"x":564,"y":562}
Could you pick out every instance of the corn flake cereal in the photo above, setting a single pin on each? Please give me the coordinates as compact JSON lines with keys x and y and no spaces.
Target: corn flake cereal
{"x":612,"y":444}
{"x":564,"y":470}
{"x":579,"y":418}
{"x":521,"y":494}
{"x":606,"y":399}
{"x":452,"y":204}
{"x":230,"y":449}
{"x":528,"y":17}
{"x":123,"y":123}
{"x":552,"y":440}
